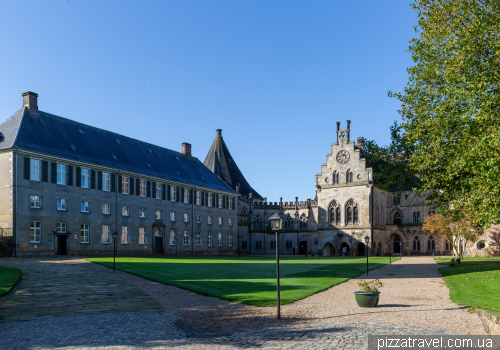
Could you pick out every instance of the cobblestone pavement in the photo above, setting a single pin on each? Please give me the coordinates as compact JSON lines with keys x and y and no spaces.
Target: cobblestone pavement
{"x":52,"y":287}
{"x":137,"y":330}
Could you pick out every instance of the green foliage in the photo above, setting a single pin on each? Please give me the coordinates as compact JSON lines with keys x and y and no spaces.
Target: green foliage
{"x":447,"y":146}
{"x":370,"y":286}
{"x":9,"y":276}
{"x":247,"y":280}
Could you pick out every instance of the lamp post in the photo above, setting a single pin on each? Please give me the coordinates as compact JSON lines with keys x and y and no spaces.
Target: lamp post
{"x":400,"y":248}
{"x":276,"y":225}
{"x":114,"y":249}
{"x":76,"y":239}
{"x":367,"y":240}
{"x":389,"y":252}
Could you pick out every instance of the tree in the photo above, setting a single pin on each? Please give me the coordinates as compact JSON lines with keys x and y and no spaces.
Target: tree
{"x":448,"y":142}
{"x":458,"y":230}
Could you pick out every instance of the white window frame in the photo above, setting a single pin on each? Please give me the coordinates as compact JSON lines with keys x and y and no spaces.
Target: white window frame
{"x":210,"y":241}
{"x":125,"y":185}
{"x":172,"y":193}
{"x":36,"y":202}
{"x":158,"y":214}
{"x":186,"y":196}
{"x":61,"y":204}
{"x":142,"y":212}
{"x":186,"y":217}
{"x":158,"y":191}
{"x":35,"y":231}
{"x":198,"y":239}
{"x":221,"y":201}
{"x":142,"y":235}
{"x":230,"y":240}
{"x":142,"y":187}
{"x":220,"y":220}
{"x":185,"y":238}
{"x":85,"y":178}
{"x":125,"y":236}
{"x":220,"y":239}
{"x":230,"y":221}
{"x":61,"y":227}
{"x":210,"y":220}
{"x":231,"y":200}
{"x":198,"y":219}
{"x":106,"y":208}
{"x":106,"y":182}
{"x":172,"y":216}
{"x":105,"y":234}
{"x":210,"y":200}
{"x":125,"y":210}
{"x":198,"y":197}
{"x":61,"y":174}
{"x":172,"y":239}
{"x":83,"y":206}
{"x":35,"y":169}
{"x":85,"y":234}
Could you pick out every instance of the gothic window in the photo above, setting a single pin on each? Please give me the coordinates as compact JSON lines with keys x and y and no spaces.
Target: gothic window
{"x":334,"y":212}
{"x":257,"y":222}
{"x":397,"y":200}
{"x":397,"y":218}
{"x":416,"y":216}
{"x":349,"y":176}
{"x":351,"y":212}
{"x":335,"y":177}
{"x":303,"y":221}
{"x":288,"y":222}
{"x":431,"y":243}
{"x":416,"y":243}
{"x":243,"y":215}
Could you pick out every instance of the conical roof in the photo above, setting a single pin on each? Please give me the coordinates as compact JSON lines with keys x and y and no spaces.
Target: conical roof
{"x":219,"y":160}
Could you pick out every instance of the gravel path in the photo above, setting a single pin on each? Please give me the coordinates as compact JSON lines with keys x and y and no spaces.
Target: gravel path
{"x":414,"y":295}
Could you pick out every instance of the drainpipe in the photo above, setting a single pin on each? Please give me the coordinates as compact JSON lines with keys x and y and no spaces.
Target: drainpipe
{"x":15,"y":205}
{"x":192,"y":221}
{"x":116,"y":211}
{"x":371,"y":217}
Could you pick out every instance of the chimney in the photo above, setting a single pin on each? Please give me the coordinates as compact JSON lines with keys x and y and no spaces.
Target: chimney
{"x":360,"y":142}
{"x":30,"y":101}
{"x":218,"y":132}
{"x":186,"y":149}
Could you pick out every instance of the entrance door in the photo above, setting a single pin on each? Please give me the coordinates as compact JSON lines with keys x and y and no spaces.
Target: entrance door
{"x":158,"y":244}
{"x":397,"y":245}
{"x":361,"y":249}
{"x":62,"y":244}
{"x":303,"y":247}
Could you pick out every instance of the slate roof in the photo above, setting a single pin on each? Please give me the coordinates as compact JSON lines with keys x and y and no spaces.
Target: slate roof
{"x":219,"y":160}
{"x":53,"y":135}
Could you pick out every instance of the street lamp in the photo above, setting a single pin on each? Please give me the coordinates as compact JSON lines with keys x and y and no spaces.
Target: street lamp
{"x":389,"y":252}
{"x":400,"y":248}
{"x":276,"y":224}
{"x":367,"y":240}
{"x":114,"y":249}
{"x":76,"y":239}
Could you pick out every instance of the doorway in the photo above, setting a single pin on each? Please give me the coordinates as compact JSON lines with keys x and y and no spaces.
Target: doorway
{"x":303,"y":247}
{"x":397,"y":245}
{"x":328,"y":250}
{"x":159,"y":242}
{"x":360,"y":251}
{"x":62,"y":244}
{"x":347,"y":252}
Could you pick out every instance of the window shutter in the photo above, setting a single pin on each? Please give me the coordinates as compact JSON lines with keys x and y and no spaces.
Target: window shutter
{"x":216,"y":201}
{"x":99,"y":180}
{"x":191,"y":192}
{"x":78,"y":177}
{"x":225,"y":202}
{"x":148,"y":188}
{"x":45,"y":171}
{"x":69,"y":174}
{"x":131,"y":185}
{"x":27,"y":168}
{"x":92,"y":179}
{"x":177,"y":194}
{"x":137,"y":187}
{"x":153,"y":189}
{"x":168,"y":192}
{"x":53,"y":173}
{"x":202,"y":198}
{"x":182,"y":194}
{"x":119,"y":184}
{"x":163,"y":191}
{"x":113,"y":182}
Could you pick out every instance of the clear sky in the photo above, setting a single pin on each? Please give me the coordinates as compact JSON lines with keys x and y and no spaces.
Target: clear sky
{"x":275,"y":76}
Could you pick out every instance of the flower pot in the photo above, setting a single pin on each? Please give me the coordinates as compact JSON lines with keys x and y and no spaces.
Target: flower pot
{"x":367,"y":299}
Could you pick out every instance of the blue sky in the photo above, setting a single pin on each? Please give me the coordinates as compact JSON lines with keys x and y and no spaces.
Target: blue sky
{"x":275,"y":76}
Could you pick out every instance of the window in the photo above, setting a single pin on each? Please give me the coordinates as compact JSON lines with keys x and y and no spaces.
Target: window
{"x":61,"y":174}
{"x":447,"y":245}
{"x":231,"y":203}
{"x":243,"y":216}
{"x":288,"y":222}
{"x":210,"y":239}
{"x":198,"y":239}
{"x":257,"y":222}
{"x":105,"y":182}
{"x":416,"y":243}
{"x":210,"y":220}
{"x":185,"y":239}
{"x":35,"y":231}
{"x":334,"y":212}
{"x":416,"y":216}
{"x":85,"y":207}
{"x":198,"y":197}
{"x":172,"y":237}
{"x":158,"y":214}
{"x":142,"y":212}
{"x":349,"y":176}
{"x":142,"y":188}
{"x":397,"y":200}
{"x":61,"y":227}
{"x":198,"y":219}
{"x":35,"y":170}
{"x":61,"y":204}
{"x":258,"y":245}
{"x":230,"y":240}
{"x":158,"y":191}
{"x":335,"y":177}
{"x":105,"y":234}
{"x":288,"y":245}
{"x":221,"y":201}
{"x":220,"y":239}
{"x":142,"y":235}
{"x":35,"y":201}
{"x":124,"y":235}
{"x":186,"y":217}
{"x":220,"y":221}
{"x":351,"y":210}
{"x":172,"y":216}
{"x":125,"y":210}
{"x":125,"y":184}
{"x":272,"y":245}
{"x":230,"y":221}
{"x":210,"y":200}
{"x":186,"y":195}
{"x":397,"y":218}
{"x":172,"y":193}
{"x":303,"y":221}
{"x":244,"y":245}
{"x":106,"y":208}
{"x":85,"y":178}
{"x":84,"y":233}
{"x":431,"y":243}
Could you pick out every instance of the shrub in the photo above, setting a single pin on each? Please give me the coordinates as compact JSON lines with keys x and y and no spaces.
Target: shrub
{"x":370,"y":286}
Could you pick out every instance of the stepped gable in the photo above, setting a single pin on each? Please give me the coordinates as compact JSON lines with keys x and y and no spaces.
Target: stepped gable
{"x":219,"y":160}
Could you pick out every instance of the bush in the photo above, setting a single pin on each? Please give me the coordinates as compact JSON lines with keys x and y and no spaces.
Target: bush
{"x":371,"y":286}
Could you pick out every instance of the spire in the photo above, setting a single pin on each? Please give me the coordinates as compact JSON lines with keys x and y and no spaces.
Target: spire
{"x":220,"y":162}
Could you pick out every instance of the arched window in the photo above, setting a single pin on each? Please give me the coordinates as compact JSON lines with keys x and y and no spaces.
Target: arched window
{"x":431,"y":243}
{"x":257,"y":222}
{"x":351,"y":212}
{"x":416,"y":243}
{"x":243,"y":214}
{"x":335,"y":177}
{"x":288,"y":222}
{"x":376,"y":215}
{"x":303,"y":221}
{"x":349,"y":176}
{"x":334,"y":212}
{"x":397,"y":218}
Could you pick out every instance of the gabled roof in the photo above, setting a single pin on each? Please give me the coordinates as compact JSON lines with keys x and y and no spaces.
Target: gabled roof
{"x":60,"y":137}
{"x":219,"y":160}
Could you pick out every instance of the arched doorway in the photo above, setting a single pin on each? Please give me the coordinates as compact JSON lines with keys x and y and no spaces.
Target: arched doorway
{"x":379,"y":249}
{"x":158,"y":241}
{"x":348,"y":250}
{"x":328,"y":249}
{"x":360,"y":249}
{"x":303,"y":247}
{"x":396,"y":244}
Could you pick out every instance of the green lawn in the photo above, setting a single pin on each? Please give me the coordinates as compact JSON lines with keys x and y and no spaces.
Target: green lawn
{"x":247,"y":280}
{"x":9,"y":276}
{"x":475,"y":282}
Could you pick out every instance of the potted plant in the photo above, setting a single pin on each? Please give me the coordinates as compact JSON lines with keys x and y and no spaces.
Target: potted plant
{"x":368,"y":295}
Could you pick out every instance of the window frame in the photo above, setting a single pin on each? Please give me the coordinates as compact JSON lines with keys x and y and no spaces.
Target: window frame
{"x":61,"y":174}
{"x":210,"y":220}
{"x":103,"y":209}
{"x":210,"y":240}
{"x":82,"y":207}
{"x":125,"y":210}
{"x":158,"y":214}
{"x":158,"y":193}
{"x":172,"y":239}
{"x":35,"y":175}
{"x":185,"y":238}
{"x":210,"y":200}
{"x":34,"y":206}
{"x":125,"y":185}
{"x":125,"y":235}
{"x":59,"y":227}
{"x":106,"y":182}
{"x":61,"y":201}
{"x":198,"y":219}
{"x":142,"y":235}
{"x":142,"y":188}
{"x":221,"y":201}
{"x":84,"y":177}
{"x":172,"y":193}
{"x":186,"y":217}
{"x":220,"y":239}
{"x":198,"y":239}
{"x":230,"y":240}
{"x":198,"y":197}
{"x":105,"y":234}
{"x":185,"y":200}
{"x":229,"y":221}
{"x":142,"y":213}
{"x":172,"y":216}
{"x":220,"y":220}
{"x":34,"y":228}
{"x":84,"y":233}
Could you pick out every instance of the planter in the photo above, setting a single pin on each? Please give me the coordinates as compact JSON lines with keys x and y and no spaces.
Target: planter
{"x":367,"y":299}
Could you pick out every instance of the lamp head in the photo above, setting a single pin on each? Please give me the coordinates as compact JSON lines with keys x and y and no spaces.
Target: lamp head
{"x":276,"y":222}
{"x":115,"y":234}
{"x":367,"y":239}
